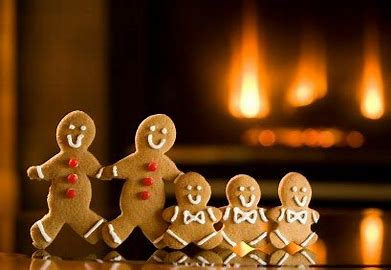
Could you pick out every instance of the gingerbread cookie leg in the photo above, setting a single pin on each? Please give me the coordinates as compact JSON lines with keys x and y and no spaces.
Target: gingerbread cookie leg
{"x":176,"y":241}
{"x":212,"y":240}
{"x":278,"y":239}
{"x":90,"y":228}
{"x":116,"y":231}
{"x":154,"y":231}
{"x":310,"y":239}
{"x":45,"y":230}
{"x":258,"y":241}
{"x":229,"y":241}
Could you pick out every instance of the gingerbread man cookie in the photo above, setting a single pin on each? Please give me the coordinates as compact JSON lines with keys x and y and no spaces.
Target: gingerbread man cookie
{"x":243,"y":219}
{"x":192,"y":220}
{"x":70,"y":191}
{"x":293,"y":217}
{"x":143,"y":196}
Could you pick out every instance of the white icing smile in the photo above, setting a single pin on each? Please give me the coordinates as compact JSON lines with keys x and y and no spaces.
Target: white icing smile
{"x":195,"y":200}
{"x":153,"y":145}
{"x":78,"y":142}
{"x":249,"y":203}
{"x":302,"y":202}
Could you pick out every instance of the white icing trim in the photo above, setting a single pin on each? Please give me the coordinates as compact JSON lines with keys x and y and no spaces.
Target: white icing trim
{"x":94,"y":228}
{"x":308,"y":257}
{"x":282,"y":238}
{"x":71,"y":126}
{"x":114,"y":235}
{"x":315,"y":218}
{"x":229,"y":258}
{"x":175,"y":215}
{"x":251,"y":188}
{"x":283,"y":259}
{"x":241,"y":188}
{"x":164,"y":131}
{"x":226,"y":213}
{"x":117,"y":258}
{"x":157,"y":240}
{"x":292,"y":216}
{"x":211,"y":214}
{"x":83,"y":128}
{"x":39,"y":172}
{"x":257,"y":258}
{"x":183,"y":259}
{"x":282,"y":213}
{"x":45,"y":236}
{"x":294,"y":189}
{"x":78,"y":143}
{"x":46,"y":264}
{"x":306,"y":241}
{"x":115,"y":171}
{"x":99,"y":174}
{"x":262,"y":215}
{"x":199,"y":188}
{"x":176,"y":237}
{"x":302,"y":202}
{"x":241,"y":216}
{"x":228,"y":240}
{"x":153,"y":145}
{"x":152,"y":128}
{"x":206,"y":239}
{"x":189,"y":187}
{"x":259,"y":238}
{"x":202,"y":259}
{"x":303,"y":189}
{"x":249,"y":203}
{"x":157,"y":259}
{"x":195,"y":201}
{"x":179,"y":175}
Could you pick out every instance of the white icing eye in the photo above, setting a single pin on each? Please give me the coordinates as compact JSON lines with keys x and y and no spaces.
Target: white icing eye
{"x":152,"y":128}
{"x":303,"y":189}
{"x":164,"y":130}
{"x":83,"y":128}
{"x":189,"y":187}
{"x":199,"y":188}
{"x":251,"y":188}
{"x":71,"y":126}
{"x":294,"y":188}
{"x":241,"y":188}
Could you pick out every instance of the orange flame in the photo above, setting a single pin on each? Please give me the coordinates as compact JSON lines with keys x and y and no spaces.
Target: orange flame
{"x":310,"y":82}
{"x":372,"y":96}
{"x":372,"y":235}
{"x":247,"y":79}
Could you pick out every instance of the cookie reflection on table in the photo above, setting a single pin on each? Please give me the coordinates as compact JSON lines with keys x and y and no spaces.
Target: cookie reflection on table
{"x":253,"y":258}
{"x":303,"y":257}
{"x":201,"y":258}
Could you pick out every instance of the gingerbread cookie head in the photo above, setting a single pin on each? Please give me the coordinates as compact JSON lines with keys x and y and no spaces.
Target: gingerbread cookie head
{"x":192,"y":190}
{"x":242,"y":190}
{"x":75,"y":131}
{"x":157,"y":132}
{"x":294,"y":190}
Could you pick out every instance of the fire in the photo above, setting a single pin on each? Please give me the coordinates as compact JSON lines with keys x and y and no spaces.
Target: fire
{"x":372,"y":234}
{"x":310,"y":82}
{"x":372,"y":96}
{"x":248,"y":98}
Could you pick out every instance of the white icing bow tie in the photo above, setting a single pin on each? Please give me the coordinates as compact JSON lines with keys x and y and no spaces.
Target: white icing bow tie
{"x":240,"y":216}
{"x":189,"y":218}
{"x":292,"y":216}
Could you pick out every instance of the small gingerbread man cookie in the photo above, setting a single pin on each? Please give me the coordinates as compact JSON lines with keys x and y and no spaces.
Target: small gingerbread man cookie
{"x":243,"y":219}
{"x":145,"y":173}
{"x":70,"y":191}
{"x":192,"y":220}
{"x":293,"y":217}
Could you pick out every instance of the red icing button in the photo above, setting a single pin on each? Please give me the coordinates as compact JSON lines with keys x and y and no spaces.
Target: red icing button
{"x":152,"y":166}
{"x":70,"y":193}
{"x":148,"y":181}
{"x":73,"y":163}
{"x":72,"y":178}
{"x":144,"y":195}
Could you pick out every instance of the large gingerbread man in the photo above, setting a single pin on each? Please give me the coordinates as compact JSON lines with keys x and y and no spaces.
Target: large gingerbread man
{"x":293,"y":218}
{"x":142,"y":198}
{"x":192,"y":220}
{"x":70,"y":191}
{"x":243,"y":219}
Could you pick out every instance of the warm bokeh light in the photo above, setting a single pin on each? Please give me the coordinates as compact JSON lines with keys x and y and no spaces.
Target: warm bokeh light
{"x":248,"y":97}
{"x":372,"y":94}
{"x":310,"y":82}
{"x":371,"y":236}
{"x":320,"y":250}
{"x":355,"y":139}
{"x":267,"y":137}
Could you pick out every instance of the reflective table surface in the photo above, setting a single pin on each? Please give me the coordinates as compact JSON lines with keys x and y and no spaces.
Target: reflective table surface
{"x":348,"y":239}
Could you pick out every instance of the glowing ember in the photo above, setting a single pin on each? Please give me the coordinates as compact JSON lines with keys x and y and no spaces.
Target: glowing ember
{"x":372,"y":96}
{"x":248,"y":98}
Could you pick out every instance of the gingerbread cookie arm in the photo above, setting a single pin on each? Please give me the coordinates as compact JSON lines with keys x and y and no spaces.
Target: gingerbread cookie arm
{"x":274,"y":213}
{"x":45,"y":171}
{"x":315,"y":216}
{"x":214,"y":214}
{"x":120,"y":169}
{"x":93,"y":168}
{"x":171,"y":213}
{"x":171,"y":172}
